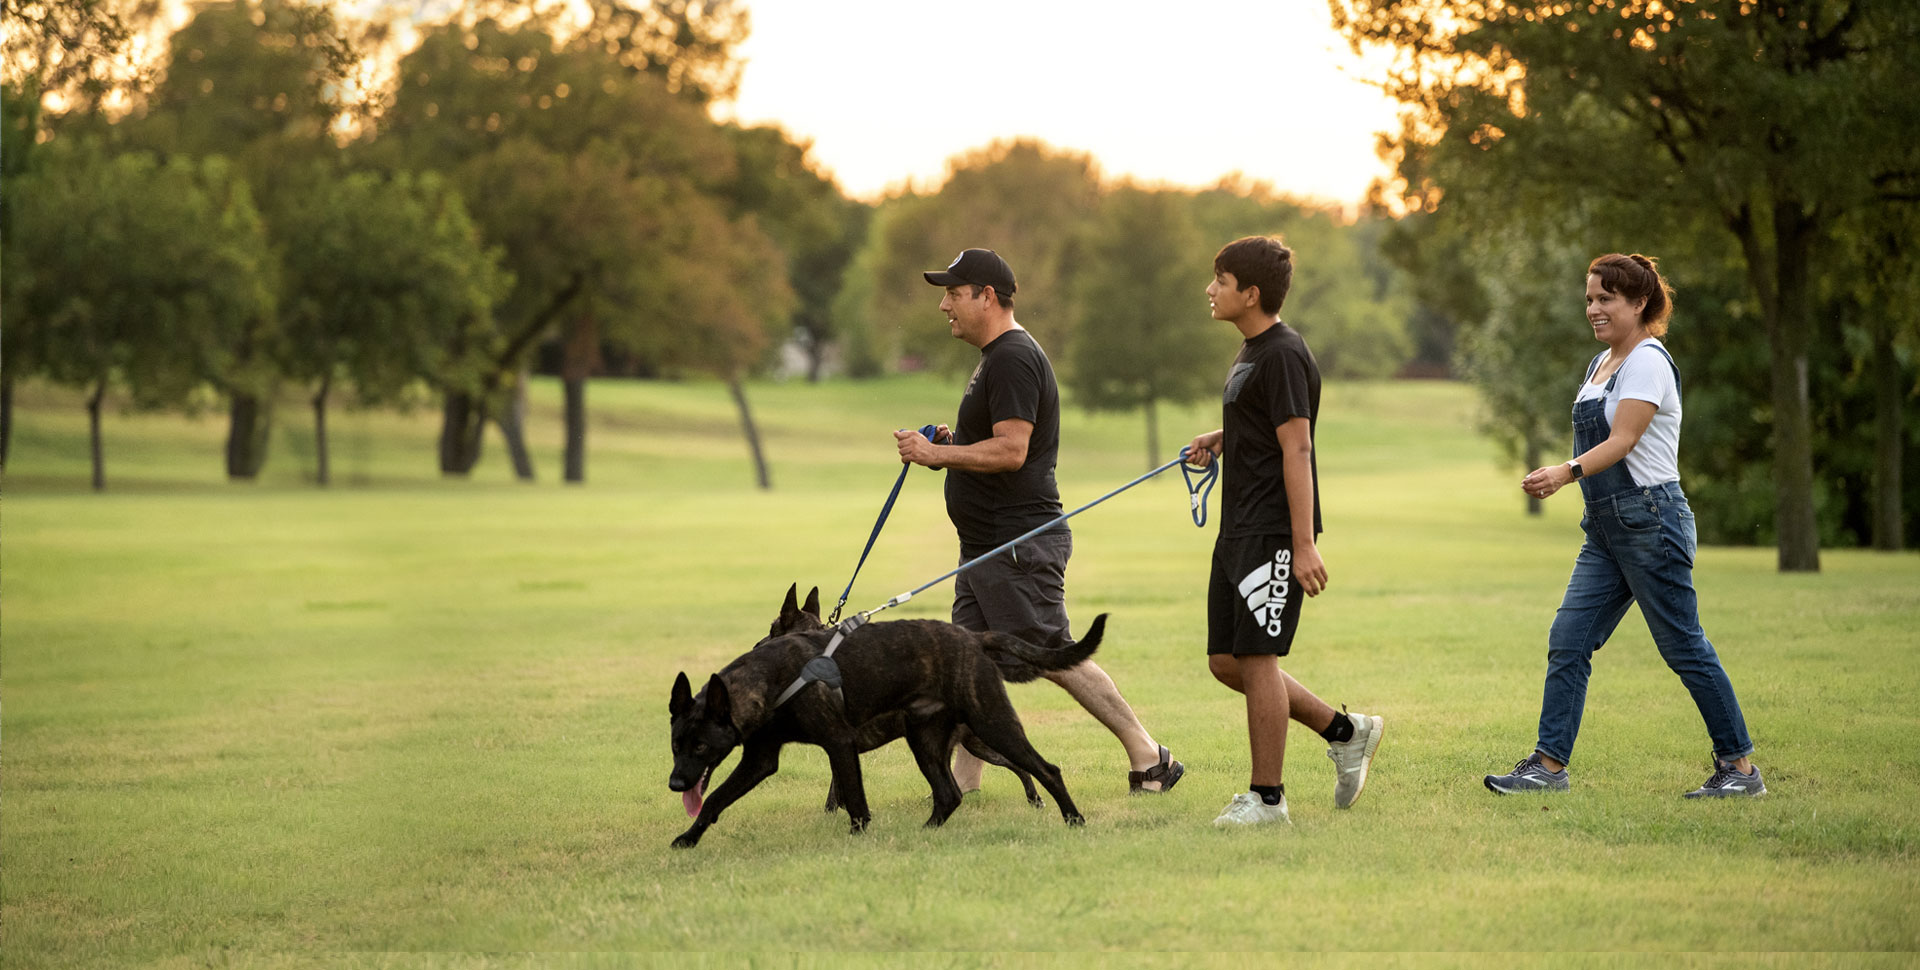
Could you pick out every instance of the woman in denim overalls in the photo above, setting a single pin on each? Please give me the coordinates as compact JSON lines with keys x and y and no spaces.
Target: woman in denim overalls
{"x":1639,"y":535}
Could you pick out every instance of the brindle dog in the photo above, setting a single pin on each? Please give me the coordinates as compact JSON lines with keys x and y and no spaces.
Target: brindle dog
{"x":921,"y":679}
{"x":795,"y":618}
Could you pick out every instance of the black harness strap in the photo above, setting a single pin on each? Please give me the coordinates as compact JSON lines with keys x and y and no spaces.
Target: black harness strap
{"x":823,"y":668}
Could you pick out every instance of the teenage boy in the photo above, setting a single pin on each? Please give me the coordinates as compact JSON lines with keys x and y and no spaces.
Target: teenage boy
{"x":1265,"y":558}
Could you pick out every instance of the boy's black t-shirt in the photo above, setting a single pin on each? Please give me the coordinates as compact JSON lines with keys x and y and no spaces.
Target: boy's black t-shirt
{"x":1273,"y":379}
{"x":1013,"y":380}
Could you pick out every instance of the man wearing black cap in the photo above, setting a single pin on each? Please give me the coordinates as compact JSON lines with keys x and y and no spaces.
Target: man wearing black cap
{"x":999,"y":457}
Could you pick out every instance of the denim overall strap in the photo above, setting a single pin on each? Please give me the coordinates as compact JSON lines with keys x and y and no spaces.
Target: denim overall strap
{"x":1590,"y":428}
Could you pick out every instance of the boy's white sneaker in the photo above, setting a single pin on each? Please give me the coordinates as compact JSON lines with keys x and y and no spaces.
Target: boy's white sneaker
{"x":1352,"y":757}
{"x":1248,"y":808}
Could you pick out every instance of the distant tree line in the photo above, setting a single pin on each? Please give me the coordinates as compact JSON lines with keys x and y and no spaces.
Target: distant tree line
{"x":252,"y":216}
{"x":1113,"y":278}
{"x":286,"y":204}
{"x":1769,"y":152}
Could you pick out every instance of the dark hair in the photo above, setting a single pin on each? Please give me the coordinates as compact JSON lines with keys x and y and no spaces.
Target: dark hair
{"x":1004,"y":299}
{"x":1637,"y":277}
{"x":1261,"y":261}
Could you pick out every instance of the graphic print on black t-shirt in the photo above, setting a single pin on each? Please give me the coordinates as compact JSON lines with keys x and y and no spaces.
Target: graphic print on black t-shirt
{"x":1273,"y":379}
{"x":1237,"y":380}
{"x":1014,"y":380}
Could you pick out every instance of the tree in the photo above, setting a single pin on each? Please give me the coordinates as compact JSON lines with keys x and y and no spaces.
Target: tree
{"x":1521,"y":353}
{"x":72,"y":50}
{"x":1021,"y":198}
{"x":727,"y":291}
{"x":1350,"y":302}
{"x":388,"y":276}
{"x":1138,"y":300}
{"x":579,"y":159}
{"x":812,"y":223}
{"x":147,"y":275}
{"x":688,"y":44}
{"x":258,"y":82}
{"x":1768,"y":118}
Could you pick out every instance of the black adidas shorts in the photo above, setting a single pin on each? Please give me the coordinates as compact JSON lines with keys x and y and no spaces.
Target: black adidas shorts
{"x":1253,"y":599}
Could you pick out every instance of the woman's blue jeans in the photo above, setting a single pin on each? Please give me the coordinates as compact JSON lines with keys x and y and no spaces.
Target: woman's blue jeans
{"x":1639,"y":548}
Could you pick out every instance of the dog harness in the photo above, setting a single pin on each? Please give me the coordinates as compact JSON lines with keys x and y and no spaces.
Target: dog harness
{"x":823,"y":668}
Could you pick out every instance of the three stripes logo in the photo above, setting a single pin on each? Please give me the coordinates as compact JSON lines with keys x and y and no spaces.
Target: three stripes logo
{"x":1265,"y":590}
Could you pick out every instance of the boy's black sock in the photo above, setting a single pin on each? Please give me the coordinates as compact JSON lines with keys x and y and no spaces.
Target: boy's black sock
{"x":1341,"y":730}
{"x":1269,"y":793}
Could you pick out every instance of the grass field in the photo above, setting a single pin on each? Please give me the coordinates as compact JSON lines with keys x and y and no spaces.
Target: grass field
{"x":408,"y":721}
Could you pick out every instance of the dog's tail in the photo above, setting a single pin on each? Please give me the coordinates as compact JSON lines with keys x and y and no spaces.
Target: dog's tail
{"x":1020,"y":661}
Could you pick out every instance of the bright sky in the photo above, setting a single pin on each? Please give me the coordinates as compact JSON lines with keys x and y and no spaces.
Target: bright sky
{"x":1161,"y":90}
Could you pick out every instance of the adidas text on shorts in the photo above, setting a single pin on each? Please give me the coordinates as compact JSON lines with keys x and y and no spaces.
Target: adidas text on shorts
{"x":1253,"y":599}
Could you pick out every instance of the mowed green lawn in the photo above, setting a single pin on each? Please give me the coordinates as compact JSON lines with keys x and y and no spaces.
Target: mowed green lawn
{"x":272,"y":724}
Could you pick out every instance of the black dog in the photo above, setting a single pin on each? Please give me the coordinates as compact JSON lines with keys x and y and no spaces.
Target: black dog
{"x":935,"y":677}
{"x":795,"y":618}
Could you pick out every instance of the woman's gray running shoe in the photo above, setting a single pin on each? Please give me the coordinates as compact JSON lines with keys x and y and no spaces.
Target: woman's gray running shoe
{"x":1528,"y":775}
{"x":1728,"y":782}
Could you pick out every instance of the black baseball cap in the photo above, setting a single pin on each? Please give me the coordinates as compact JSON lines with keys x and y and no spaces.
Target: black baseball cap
{"x":976,"y":267}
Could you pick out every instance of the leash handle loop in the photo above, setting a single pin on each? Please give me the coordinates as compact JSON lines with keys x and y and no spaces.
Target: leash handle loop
{"x":1200,"y":489}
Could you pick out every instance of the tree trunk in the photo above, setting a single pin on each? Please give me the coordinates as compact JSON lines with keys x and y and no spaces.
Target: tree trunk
{"x":249,"y":422}
{"x":1889,"y":439}
{"x":816,"y":360}
{"x":1153,"y":434}
{"x":816,"y":348}
{"x":93,"y":436}
{"x":1777,"y":270}
{"x":6,"y":415}
{"x":582,"y":357}
{"x":1788,"y":332}
{"x":463,"y":415}
{"x":1534,"y":505}
{"x":513,"y":428}
{"x":739,"y":392}
{"x":576,"y":411}
{"x":321,"y":473}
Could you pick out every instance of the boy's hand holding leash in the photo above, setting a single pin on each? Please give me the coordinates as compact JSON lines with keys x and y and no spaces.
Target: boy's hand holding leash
{"x":1203,"y":449}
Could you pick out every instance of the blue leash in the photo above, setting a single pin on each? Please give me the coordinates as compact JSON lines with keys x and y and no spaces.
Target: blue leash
{"x":1199,"y":517}
{"x":824,"y":669}
{"x":926,"y":431}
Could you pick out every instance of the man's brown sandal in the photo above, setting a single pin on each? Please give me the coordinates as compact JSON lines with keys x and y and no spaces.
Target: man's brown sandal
{"x":1167,"y":772}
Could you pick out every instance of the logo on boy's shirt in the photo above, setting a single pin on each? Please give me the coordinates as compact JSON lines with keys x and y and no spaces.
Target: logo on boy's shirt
{"x":1265,"y":590}
{"x":1237,"y":379}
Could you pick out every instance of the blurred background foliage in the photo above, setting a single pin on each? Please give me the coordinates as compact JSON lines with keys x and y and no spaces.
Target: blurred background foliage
{"x":284,"y":203}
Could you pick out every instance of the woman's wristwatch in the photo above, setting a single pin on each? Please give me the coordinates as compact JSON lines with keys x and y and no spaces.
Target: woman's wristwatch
{"x":1574,"y":467}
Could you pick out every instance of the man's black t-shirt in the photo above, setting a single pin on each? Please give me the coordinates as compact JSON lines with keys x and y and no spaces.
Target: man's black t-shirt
{"x":1014,"y":380}
{"x":1273,"y":379}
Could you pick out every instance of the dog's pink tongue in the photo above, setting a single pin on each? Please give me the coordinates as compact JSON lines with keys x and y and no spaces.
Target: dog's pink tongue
{"x":691,"y":797}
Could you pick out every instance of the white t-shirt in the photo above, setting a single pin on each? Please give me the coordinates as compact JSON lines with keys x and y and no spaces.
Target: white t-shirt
{"x":1646,"y":376}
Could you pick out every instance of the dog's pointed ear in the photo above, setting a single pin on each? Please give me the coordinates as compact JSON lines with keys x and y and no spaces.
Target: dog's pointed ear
{"x":813,"y":602}
{"x":719,"y":702}
{"x":787,"y":608}
{"x":682,"y":696}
